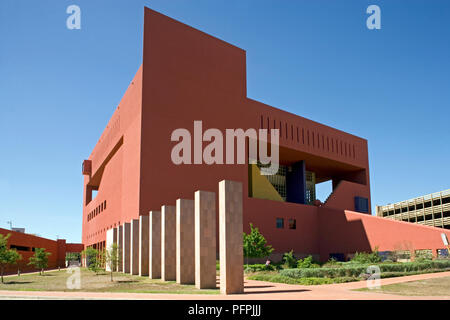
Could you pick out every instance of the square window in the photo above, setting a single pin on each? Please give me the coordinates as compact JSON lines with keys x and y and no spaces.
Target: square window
{"x":280,"y":223}
{"x":292,"y":224}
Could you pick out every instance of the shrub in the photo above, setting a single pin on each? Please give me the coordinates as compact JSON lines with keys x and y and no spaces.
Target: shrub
{"x":365,"y":257}
{"x":351,"y":270}
{"x":259,"y":267}
{"x":307,"y":263}
{"x":302,"y":281}
{"x":423,"y":255}
{"x":289,"y":260}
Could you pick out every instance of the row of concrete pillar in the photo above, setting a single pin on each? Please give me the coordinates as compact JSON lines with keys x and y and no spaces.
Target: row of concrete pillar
{"x":178,"y":243}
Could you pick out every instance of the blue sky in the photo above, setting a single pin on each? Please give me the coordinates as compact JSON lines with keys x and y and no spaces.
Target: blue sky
{"x":59,"y":87}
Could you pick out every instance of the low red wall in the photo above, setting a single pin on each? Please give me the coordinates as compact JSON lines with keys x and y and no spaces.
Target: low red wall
{"x":347,"y":232}
{"x":263,"y":213}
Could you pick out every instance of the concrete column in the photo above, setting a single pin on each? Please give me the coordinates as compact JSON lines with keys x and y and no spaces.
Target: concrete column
{"x":205,"y":239}
{"x":143,"y":245}
{"x":126,"y":247}
{"x":185,"y":237}
{"x":111,"y":239}
{"x":230,"y":237}
{"x":134,"y":248}
{"x":155,"y":244}
{"x":120,"y":248}
{"x":168,"y":243}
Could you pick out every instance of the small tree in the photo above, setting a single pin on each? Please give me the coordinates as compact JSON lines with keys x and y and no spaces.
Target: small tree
{"x":255,"y":245}
{"x":40,"y":259}
{"x":112,"y":258}
{"x":289,"y":260}
{"x":7,"y":256}
{"x":93,"y":259}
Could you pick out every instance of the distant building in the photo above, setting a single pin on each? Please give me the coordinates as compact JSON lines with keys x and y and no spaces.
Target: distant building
{"x":431,"y":210}
{"x":21,"y":230}
{"x":25,"y":244}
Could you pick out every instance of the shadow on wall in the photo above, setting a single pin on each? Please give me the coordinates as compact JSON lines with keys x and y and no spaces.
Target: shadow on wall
{"x":339,"y":236}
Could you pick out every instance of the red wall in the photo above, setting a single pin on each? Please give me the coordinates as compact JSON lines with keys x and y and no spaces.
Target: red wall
{"x":57,"y":249}
{"x":347,"y":232}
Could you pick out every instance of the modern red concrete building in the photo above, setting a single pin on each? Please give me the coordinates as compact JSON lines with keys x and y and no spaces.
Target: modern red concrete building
{"x":25,"y":244}
{"x":186,"y":76}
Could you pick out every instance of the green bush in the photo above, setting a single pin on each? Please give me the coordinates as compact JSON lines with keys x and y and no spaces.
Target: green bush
{"x":350,"y":270}
{"x":259,"y":267}
{"x":365,"y":257}
{"x":289,"y":260}
{"x":423,"y":255}
{"x":307,"y":263}
{"x":333,"y":263}
{"x":302,"y":281}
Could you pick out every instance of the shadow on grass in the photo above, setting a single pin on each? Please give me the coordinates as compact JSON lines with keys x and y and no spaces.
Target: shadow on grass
{"x":17,"y":282}
{"x":126,"y":281}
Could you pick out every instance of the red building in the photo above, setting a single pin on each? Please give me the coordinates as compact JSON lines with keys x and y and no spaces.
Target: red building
{"x":187,"y":75}
{"x":25,"y":244}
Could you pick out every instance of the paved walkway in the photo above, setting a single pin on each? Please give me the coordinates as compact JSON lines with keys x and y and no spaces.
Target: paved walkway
{"x":254,"y":290}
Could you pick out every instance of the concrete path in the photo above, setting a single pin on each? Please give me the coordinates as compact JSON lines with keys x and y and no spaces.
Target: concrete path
{"x":254,"y":290}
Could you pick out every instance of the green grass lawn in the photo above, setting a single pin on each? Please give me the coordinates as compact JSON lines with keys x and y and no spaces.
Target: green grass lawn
{"x":429,"y":287}
{"x":57,"y":281}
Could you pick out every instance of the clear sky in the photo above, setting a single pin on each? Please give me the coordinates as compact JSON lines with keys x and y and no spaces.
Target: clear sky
{"x":59,"y":87}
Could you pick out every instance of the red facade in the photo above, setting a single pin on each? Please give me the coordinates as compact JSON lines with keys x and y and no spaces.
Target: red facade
{"x":187,"y":75}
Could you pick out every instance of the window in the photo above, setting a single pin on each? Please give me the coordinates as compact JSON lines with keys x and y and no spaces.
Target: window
{"x":362,"y":205}
{"x":292,"y":224}
{"x":19,"y":248}
{"x":280,"y":223}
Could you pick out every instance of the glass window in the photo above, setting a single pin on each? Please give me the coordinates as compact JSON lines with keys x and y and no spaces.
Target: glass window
{"x":280,"y":223}
{"x":292,"y":224}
